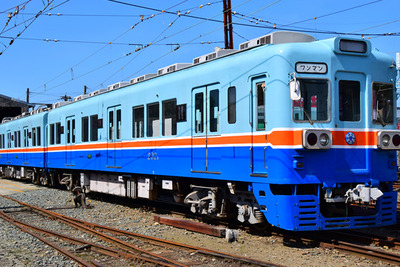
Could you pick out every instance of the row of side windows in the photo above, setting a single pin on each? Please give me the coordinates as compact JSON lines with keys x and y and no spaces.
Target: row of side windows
{"x":30,"y":138}
{"x":141,"y":120}
{"x":171,"y":114}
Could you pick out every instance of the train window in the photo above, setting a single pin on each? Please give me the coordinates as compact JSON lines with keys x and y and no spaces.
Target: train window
{"x":52,"y":134}
{"x":15,"y":139}
{"x":58,"y":133}
{"x":26,"y":137}
{"x":94,"y":125}
{"x":314,"y":102}
{"x":138,"y":122}
{"x":181,"y":112}
{"x":119,"y":121}
{"x":33,"y":137}
{"x":231,"y":104}
{"x":214,"y":111}
{"x":68,"y":131}
{"x":18,"y":137}
{"x":111,"y":125}
{"x":169,"y":117}
{"x":349,"y":100}
{"x":38,"y":136}
{"x":153,"y":120}
{"x":1,"y":141}
{"x":9,"y":139}
{"x":199,"y":112}
{"x":85,"y":129}
{"x":73,"y":130}
{"x":260,"y":106}
{"x":383,"y":103}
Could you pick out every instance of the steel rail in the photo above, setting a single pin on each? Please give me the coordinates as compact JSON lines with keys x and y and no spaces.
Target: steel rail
{"x":362,"y":250}
{"x":80,"y":226}
{"x":345,"y":246}
{"x":93,"y":246}
{"x":50,"y":244}
{"x":91,"y":226}
{"x":371,"y":238}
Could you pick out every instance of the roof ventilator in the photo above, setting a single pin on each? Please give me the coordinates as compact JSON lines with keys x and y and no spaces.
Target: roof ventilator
{"x":278,"y":38}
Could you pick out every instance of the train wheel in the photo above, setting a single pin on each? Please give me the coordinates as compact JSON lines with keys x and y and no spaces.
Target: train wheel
{"x":44,"y":180}
{"x":35,"y":178}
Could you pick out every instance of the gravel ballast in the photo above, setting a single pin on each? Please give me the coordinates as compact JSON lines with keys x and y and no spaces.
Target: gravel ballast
{"x":21,"y":249}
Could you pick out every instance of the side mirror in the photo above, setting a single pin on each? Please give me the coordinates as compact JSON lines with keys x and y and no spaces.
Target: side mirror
{"x":294,"y":87}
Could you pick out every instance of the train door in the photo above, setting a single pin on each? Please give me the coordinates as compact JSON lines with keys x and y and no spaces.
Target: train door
{"x":26,"y":144}
{"x":206,"y":152}
{"x":114,"y":137}
{"x":8,"y":146}
{"x":258,"y":149}
{"x":351,"y":113}
{"x":70,"y":141}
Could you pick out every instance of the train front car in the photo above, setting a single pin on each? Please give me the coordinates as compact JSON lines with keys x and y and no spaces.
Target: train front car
{"x":332,"y":166}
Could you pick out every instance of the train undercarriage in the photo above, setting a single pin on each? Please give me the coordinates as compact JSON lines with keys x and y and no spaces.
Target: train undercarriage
{"x":217,"y":199}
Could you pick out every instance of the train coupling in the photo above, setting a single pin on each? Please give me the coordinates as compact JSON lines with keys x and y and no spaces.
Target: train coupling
{"x":363,"y":193}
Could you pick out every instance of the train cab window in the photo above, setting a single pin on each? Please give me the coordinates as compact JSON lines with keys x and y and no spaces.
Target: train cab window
{"x":94,"y":128}
{"x":85,"y":129}
{"x":199,"y":112}
{"x":260,"y":106}
{"x":38,"y":136}
{"x":383,"y":103}
{"x":214,"y":110}
{"x":138,"y":122}
{"x":169,"y":117}
{"x":51,"y":134}
{"x":153,"y":120}
{"x":349,"y":100}
{"x":314,"y":102}
{"x":58,"y":133}
{"x":231,"y":104}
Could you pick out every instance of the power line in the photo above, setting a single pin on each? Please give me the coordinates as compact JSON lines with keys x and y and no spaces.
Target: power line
{"x":90,"y":42}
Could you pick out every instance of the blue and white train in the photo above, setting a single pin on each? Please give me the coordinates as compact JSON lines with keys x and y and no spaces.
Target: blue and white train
{"x":286,"y":130}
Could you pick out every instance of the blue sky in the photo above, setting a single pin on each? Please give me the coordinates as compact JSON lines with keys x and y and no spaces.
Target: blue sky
{"x":84,"y":30}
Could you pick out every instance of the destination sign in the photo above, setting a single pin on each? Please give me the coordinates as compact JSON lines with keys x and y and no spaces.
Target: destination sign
{"x":319,"y":68}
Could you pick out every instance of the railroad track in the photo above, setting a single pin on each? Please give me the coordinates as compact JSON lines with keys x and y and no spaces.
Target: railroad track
{"x":325,"y":240}
{"x":113,"y":247}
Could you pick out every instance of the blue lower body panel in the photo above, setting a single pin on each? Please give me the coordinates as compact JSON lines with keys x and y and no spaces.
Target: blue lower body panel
{"x":303,"y":212}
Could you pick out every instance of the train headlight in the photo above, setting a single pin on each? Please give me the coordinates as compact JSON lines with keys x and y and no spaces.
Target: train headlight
{"x":317,"y":139}
{"x":388,"y":140}
{"x":324,"y":139}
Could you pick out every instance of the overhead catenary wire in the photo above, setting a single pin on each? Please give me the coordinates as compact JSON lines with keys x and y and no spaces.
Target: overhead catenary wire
{"x":95,"y":52}
{"x":46,"y":7}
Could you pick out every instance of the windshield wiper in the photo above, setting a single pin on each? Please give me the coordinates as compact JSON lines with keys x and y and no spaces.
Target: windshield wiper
{"x":305,"y":112}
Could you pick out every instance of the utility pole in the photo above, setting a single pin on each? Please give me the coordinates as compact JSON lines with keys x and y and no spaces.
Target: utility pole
{"x":228,"y":24}
{"x":27,"y":95}
{"x":84,"y":89}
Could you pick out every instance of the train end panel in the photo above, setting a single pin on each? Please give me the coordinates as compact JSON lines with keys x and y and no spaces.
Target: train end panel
{"x":305,"y":212}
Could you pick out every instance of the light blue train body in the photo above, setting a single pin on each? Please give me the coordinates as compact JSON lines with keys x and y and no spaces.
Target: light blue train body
{"x":296,"y":132}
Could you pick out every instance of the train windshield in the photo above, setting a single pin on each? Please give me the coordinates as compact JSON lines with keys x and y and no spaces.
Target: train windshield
{"x":382,"y":103}
{"x":314,"y":102}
